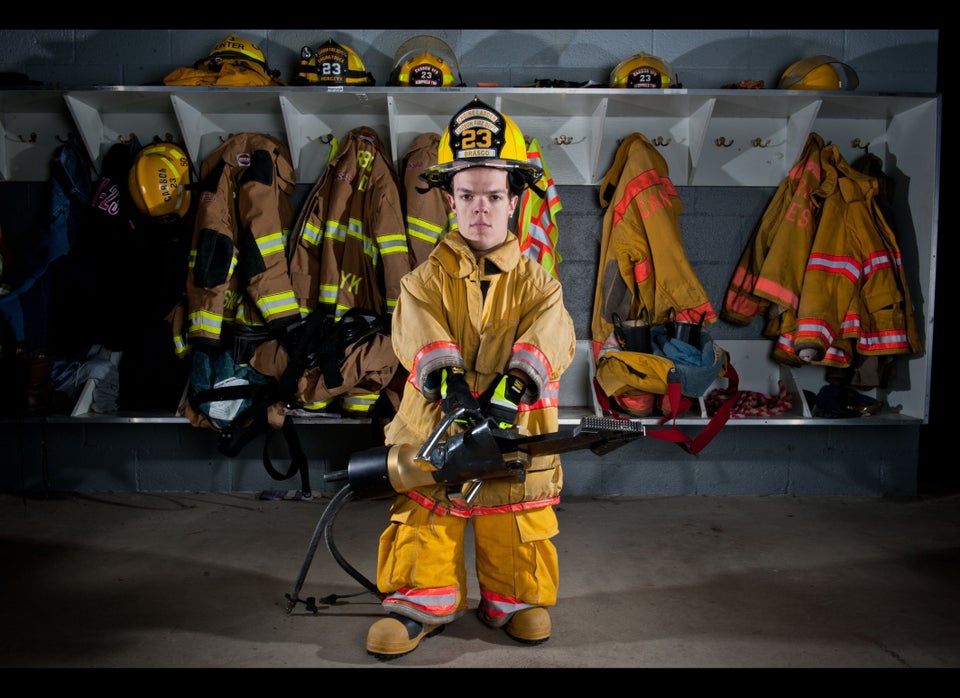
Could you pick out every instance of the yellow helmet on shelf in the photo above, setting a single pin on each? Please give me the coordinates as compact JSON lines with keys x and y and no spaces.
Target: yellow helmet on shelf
{"x":331,"y":63}
{"x":819,"y":72}
{"x":480,"y":136}
{"x":643,"y":71}
{"x":425,"y":61}
{"x":235,"y":47}
{"x":159,"y":182}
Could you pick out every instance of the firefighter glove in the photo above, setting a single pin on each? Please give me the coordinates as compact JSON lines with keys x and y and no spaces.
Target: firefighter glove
{"x":503,"y":401}
{"x":454,"y":391}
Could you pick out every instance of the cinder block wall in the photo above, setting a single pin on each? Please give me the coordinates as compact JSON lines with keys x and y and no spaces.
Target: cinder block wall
{"x":808,"y":460}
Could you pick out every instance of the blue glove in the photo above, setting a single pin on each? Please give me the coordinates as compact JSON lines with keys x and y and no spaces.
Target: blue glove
{"x":504,"y":399}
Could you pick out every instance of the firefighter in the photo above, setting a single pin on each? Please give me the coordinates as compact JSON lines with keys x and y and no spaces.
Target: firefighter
{"x":478,"y":326}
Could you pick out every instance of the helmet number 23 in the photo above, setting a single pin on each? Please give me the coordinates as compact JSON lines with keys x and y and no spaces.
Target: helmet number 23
{"x":476,"y":138}
{"x":332,"y":68}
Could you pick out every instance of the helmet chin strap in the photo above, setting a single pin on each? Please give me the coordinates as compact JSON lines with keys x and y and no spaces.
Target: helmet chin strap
{"x":531,"y":183}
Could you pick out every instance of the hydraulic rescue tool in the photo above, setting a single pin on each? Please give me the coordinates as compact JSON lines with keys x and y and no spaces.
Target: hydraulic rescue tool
{"x":482,"y":452}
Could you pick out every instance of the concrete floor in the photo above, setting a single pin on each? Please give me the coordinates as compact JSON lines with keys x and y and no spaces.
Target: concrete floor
{"x":186,"y":580}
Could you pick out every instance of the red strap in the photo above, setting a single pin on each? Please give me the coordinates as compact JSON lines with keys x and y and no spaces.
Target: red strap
{"x":678,"y":405}
{"x":720,"y":417}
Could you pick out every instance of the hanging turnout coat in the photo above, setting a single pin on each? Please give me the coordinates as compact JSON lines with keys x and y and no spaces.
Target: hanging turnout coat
{"x":642,"y":261}
{"x":427,"y":213}
{"x":350,"y":247}
{"x":854,"y":287}
{"x":770,"y":271}
{"x":237,"y":273}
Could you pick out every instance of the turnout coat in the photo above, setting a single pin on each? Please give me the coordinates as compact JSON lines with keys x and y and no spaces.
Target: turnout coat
{"x":444,"y":318}
{"x":643,"y":265}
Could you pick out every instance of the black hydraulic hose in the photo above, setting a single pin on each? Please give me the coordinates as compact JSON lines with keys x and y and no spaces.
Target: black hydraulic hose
{"x":325,"y":526}
{"x":328,"y":538}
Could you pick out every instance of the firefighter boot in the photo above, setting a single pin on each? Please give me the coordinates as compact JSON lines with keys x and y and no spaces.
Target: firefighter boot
{"x":396,"y":635}
{"x":531,"y":626}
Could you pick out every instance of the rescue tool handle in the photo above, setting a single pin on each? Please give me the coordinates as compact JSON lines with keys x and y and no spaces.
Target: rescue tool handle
{"x":428,"y":447}
{"x":483,"y":452}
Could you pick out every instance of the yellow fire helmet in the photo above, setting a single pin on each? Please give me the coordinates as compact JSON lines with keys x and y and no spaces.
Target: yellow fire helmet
{"x":425,"y":61}
{"x":331,"y":63}
{"x":159,"y":182}
{"x":819,"y":72}
{"x":480,"y":136}
{"x":235,"y":47}
{"x":644,"y":71}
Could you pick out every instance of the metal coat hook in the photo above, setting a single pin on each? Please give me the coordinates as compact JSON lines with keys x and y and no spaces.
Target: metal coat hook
{"x":31,"y":139}
{"x":326,"y":139}
{"x":659,"y":141}
{"x":856,"y":144}
{"x":566,"y":140}
{"x":757,"y":143}
{"x":723,"y":142}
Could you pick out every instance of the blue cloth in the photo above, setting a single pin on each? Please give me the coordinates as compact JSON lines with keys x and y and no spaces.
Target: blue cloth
{"x":215,"y":370}
{"x":698,"y":367}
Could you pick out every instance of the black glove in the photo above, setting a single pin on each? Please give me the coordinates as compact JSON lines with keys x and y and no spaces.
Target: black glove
{"x":501,"y":403}
{"x":455,"y":393}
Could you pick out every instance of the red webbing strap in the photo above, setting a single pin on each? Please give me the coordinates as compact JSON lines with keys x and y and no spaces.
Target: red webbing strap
{"x":720,"y":417}
{"x":672,"y":433}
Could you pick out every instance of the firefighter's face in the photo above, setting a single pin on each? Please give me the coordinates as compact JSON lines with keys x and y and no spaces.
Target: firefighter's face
{"x":483,"y":203}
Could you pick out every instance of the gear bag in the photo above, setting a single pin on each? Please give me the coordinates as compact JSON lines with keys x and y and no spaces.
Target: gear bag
{"x":240,"y":404}
{"x":228,"y":395}
{"x":671,"y":360}
{"x":674,"y":370}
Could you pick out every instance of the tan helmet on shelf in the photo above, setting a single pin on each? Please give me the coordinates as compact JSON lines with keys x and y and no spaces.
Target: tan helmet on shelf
{"x":643,"y":71}
{"x":819,"y":72}
{"x":425,"y":61}
{"x":331,"y":63}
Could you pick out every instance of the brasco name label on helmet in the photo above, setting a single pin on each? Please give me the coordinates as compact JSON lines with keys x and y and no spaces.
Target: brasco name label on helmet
{"x":477,"y":153}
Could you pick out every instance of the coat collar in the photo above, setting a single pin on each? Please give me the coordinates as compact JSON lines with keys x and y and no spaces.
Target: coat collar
{"x":455,"y":257}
